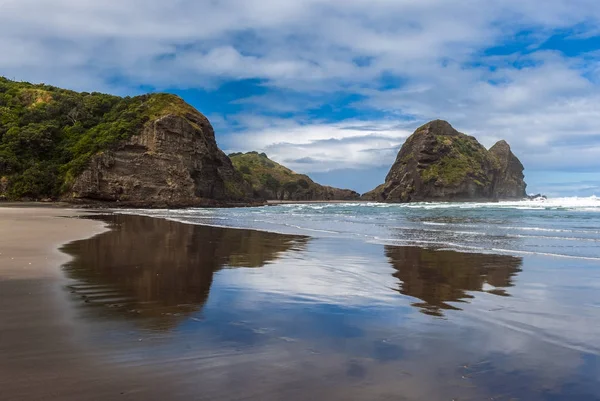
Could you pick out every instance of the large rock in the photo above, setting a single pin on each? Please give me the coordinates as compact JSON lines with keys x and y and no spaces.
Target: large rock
{"x":173,"y":161}
{"x":438,"y":163}
{"x":272,"y":181}
{"x":509,"y":181}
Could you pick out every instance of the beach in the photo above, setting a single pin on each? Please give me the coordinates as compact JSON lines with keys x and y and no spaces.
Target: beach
{"x":116,"y":305}
{"x":41,"y":354}
{"x":30,"y":238}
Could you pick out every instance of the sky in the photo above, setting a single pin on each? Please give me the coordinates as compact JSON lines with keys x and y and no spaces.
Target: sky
{"x":332,"y":88}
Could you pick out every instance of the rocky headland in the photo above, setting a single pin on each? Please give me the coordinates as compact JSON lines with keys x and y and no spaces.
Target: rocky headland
{"x":153,"y":150}
{"x":173,"y":161}
{"x":272,"y":181}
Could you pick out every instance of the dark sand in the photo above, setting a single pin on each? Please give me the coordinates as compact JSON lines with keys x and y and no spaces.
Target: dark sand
{"x":41,"y":356}
{"x":160,"y":310}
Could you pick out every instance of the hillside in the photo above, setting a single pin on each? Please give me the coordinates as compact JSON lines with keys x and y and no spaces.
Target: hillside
{"x":272,"y":181}
{"x":149,"y":150}
{"x":438,"y":163}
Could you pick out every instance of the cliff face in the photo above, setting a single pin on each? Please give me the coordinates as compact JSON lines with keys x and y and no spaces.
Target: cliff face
{"x":438,"y":163}
{"x":272,"y":181}
{"x":173,"y":161}
{"x":151,"y":150}
{"x":509,"y":179}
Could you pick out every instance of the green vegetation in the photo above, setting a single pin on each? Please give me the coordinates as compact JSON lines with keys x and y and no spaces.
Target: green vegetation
{"x":48,"y":134}
{"x":463,"y":156}
{"x":267,"y":177}
{"x":271,"y":180}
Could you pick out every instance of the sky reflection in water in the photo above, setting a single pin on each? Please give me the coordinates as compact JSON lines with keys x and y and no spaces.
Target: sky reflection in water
{"x":235,"y":313}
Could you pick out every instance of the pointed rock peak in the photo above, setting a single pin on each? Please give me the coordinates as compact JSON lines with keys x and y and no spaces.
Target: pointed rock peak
{"x":500,"y":146}
{"x":438,"y":127}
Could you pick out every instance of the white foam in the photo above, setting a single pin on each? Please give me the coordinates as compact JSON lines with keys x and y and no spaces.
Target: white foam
{"x":590,"y":203}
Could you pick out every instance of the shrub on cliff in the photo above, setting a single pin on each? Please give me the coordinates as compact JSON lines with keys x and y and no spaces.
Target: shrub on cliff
{"x":48,"y":134}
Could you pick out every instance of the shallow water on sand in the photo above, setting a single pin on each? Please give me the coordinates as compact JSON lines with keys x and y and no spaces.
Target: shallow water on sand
{"x":220,"y":313}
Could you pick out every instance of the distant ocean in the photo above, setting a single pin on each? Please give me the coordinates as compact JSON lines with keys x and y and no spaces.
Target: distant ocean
{"x":559,"y":227}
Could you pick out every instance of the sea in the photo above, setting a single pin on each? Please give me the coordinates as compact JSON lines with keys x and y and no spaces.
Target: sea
{"x":561,"y":227}
{"x":349,"y":301}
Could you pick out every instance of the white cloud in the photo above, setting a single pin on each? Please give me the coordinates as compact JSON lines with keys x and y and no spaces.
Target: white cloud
{"x":316,"y":147}
{"x":320,"y":48}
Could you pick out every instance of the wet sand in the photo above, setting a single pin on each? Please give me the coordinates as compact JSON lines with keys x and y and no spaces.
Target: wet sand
{"x":156,"y":309}
{"x":41,"y":356}
{"x":30,"y":238}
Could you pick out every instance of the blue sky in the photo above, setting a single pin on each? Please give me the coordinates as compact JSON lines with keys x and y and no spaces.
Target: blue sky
{"x":333,"y":88}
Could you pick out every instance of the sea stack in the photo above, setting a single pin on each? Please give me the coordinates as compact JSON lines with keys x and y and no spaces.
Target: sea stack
{"x":509,"y":183}
{"x":438,"y":163}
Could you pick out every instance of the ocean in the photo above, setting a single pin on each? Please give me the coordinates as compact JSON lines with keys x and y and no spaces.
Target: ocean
{"x":561,"y":227}
{"x":349,"y":301}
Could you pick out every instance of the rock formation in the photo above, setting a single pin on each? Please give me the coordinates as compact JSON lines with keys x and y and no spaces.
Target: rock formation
{"x":272,"y":181}
{"x":438,"y":163}
{"x":173,"y":161}
{"x":509,"y":181}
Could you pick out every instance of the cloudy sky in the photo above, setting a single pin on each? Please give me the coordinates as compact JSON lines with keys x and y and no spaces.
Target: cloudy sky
{"x":332,"y":88}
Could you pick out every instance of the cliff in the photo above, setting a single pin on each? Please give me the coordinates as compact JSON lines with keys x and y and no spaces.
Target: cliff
{"x":151,"y":150}
{"x":509,"y":175}
{"x":438,"y":163}
{"x":173,"y":161}
{"x":272,"y":181}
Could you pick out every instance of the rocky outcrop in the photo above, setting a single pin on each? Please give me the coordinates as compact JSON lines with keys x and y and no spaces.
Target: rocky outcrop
{"x":438,"y":163}
{"x":272,"y":181}
{"x":509,"y":181}
{"x":332,"y":193}
{"x":174,"y":161}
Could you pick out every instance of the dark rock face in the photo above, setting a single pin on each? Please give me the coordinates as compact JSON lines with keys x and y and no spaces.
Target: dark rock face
{"x":174,"y":161}
{"x":438,"y":163}
{"x":509,"y":179}
{"x":331,"y":193}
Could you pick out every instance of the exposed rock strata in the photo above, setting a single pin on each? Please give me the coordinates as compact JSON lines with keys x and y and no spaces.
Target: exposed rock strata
{"x":174,"y":161}
{"x":509,"y":176}
{"x":438,"y":163}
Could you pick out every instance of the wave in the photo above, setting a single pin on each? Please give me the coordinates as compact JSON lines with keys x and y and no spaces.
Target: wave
{"x":587,"y":204}
{"x":475,"y":249}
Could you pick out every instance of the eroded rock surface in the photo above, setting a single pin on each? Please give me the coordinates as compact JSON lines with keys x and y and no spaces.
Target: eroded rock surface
{"x":438,"y":163}
{"x":174,"y":161}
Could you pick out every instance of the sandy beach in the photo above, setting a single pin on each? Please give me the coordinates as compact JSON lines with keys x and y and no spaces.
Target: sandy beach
{"x":30,"y":237}
{"x":126,"y":306}
{"x":41,"y":357}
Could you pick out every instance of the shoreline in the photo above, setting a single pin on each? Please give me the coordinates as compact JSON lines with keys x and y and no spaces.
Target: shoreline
{"x":68,"y":336}
{"x":45,"y":354}
{"x":31,"y":236}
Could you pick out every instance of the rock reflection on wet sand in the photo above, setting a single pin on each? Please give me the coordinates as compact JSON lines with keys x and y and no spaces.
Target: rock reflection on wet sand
{"x":440,"y":277}
{"x":155,"y":297}
{"x":160,"y":269}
